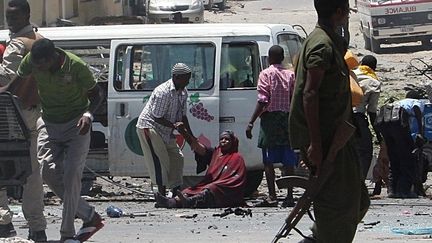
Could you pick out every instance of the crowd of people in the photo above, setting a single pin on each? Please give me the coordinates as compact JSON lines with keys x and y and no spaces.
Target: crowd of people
{"x":300,"y":109}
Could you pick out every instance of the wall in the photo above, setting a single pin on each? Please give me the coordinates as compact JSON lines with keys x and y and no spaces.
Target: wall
{"x":97,"y":8}
{"x":46,"y":12}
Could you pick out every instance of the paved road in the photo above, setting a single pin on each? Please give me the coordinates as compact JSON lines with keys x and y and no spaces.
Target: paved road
{"x":162,"y":225}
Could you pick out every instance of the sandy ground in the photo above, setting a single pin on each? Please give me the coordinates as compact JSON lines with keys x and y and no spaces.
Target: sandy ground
{"x":143,"y":223}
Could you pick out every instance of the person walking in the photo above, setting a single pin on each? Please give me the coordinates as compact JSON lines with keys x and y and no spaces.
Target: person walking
{"x":275,"y":89}
{"x":69,"y":95}
{"x":164,"y":112}
{"x":22,"y":37}
{"x":371,"y":87}
{"x":321,"y":101}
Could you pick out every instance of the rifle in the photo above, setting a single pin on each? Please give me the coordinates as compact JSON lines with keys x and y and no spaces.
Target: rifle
{"x":314,"y":184}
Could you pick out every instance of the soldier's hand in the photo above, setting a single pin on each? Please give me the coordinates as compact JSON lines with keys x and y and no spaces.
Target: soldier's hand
{"x":315,"y":156}
{"x":84,"y":125}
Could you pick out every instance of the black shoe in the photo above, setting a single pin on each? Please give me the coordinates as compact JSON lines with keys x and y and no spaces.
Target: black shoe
{"x":7,"y":231}
{"x":37,"y":236}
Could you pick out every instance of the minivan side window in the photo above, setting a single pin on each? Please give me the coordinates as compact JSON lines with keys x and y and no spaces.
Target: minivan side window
{"x":240,"y":65}
{"x":291,"y":44}
{"x":144,"y":67}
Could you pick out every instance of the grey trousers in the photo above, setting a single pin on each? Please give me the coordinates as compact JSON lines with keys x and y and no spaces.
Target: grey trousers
{"x":62,"y":154}
{"x":32,"y":198}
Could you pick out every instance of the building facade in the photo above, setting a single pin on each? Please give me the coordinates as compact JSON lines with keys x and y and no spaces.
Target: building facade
{"x":79,"y":12}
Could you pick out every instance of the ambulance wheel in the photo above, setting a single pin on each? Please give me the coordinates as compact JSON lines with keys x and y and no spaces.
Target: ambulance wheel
{"x":367,"y":42}
{"x":253,"y":180}
{"x":375,"y":46}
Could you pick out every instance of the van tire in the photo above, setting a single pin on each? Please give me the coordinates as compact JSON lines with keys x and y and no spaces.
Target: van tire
{"x":375,"y":46}
{"x":253,"y":180}
{"x":367,"y":42}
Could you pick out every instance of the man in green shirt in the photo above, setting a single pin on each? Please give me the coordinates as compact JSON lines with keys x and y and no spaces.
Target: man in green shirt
{"x":69,"y":95}
{"x":322,"y":98}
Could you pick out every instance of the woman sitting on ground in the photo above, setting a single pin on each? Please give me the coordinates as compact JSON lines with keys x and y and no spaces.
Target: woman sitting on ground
{"x":224,"y":182}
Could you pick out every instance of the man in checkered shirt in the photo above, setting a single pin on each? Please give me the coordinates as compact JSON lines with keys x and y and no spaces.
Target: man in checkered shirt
{"x":164,"y":112}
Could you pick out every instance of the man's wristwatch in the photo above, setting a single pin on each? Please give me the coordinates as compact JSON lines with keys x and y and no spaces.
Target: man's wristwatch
{"x":89,"y":115}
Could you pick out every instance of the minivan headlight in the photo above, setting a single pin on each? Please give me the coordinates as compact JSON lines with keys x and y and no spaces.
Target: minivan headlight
{"x":196,"y":4}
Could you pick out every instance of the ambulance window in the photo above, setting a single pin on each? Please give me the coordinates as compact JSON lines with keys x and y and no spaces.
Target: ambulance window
{"x":291,"y":44}
{"x":144,"y":67}
{"x":240,"y":65}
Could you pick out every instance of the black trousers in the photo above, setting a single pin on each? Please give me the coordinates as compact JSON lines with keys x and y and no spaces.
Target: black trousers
{"x":364,"y":147}
{"x":402,"y":161}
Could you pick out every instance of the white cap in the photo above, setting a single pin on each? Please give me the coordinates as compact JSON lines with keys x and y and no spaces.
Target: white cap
{"x":181,"y":68}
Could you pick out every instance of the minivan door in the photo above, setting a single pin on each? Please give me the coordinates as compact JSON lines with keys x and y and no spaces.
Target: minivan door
{"x":240,"y":67}
{"x":139,"y":66}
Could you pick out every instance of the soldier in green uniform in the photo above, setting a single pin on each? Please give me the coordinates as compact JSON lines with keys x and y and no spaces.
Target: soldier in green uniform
{"x":322,"y":98}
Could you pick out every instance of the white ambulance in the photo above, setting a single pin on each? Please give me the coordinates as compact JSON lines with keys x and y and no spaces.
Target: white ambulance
{"x":395,"y":21}
{"x":131,"y":60}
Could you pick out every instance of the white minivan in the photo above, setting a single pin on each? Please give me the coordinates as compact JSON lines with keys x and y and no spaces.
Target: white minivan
{"x":131,"y":60}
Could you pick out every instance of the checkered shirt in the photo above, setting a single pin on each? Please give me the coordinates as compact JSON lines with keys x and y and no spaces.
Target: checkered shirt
{"x":275,"y":87}
{"x":165,"y":102}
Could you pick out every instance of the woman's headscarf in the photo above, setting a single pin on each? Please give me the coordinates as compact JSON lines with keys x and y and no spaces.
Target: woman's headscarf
{"x":234,"y":140}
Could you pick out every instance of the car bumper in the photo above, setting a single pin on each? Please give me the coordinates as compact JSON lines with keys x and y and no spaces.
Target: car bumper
{"x":410,"y":33}
{"x":187,"y":16}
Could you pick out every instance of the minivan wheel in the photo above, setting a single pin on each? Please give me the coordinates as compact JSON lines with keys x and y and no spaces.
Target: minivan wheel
{"x":376,"y":46}
{"x":253,"y":180}
{"x":367,"y":42}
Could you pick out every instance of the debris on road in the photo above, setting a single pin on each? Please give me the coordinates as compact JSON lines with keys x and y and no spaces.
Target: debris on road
{"x":237,"y":211}
{"x":114,"y":212}
{"x":187,"y":216}
{"x":372,"y":223}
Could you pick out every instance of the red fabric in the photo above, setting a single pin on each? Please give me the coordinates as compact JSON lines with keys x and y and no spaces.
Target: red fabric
{"x":225,"y":178}
{"x":2,"y":49}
